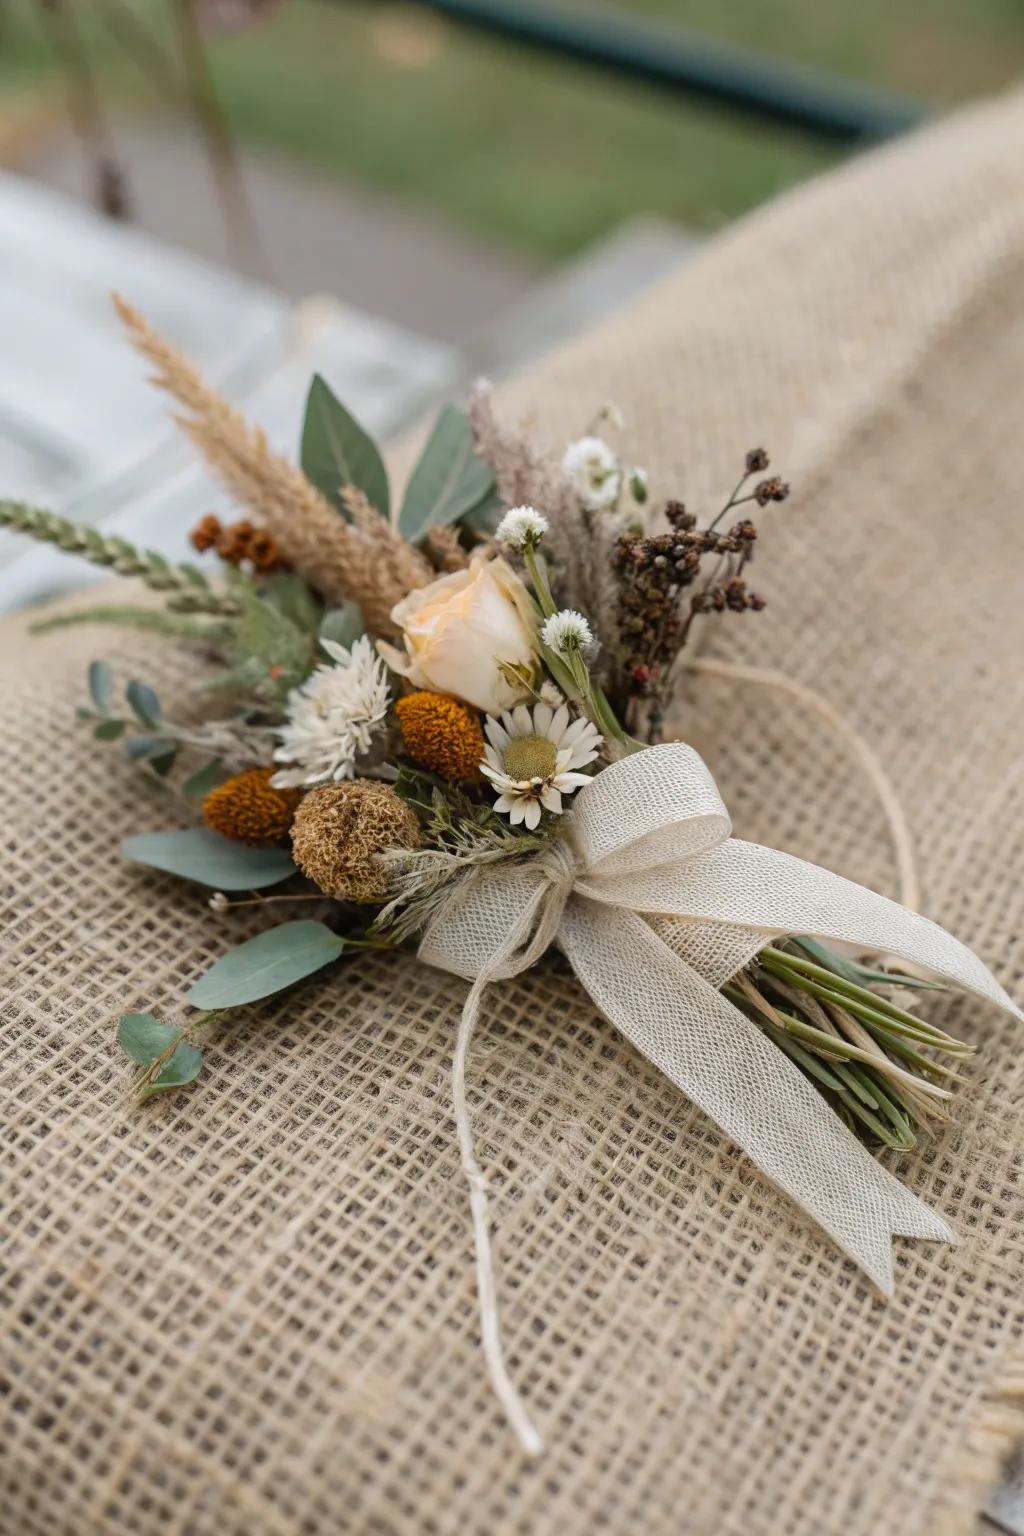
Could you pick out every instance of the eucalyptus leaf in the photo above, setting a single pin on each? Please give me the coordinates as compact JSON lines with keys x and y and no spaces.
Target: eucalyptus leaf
{"x":109,"y":730}
{"x":336,"y":451}
{"x":198,"y":786}
{"x":196,"y":853}
{"x":164,"y":761}
{"x":266,"y":964}
{"x":182,"y":1066}
{"x":144,"y":703}
{"x":144,"y":1038}
{"x":147,"y":748}
{"x":449,"y":480}
{"x":101,"y":685}
{"x":486,"y":515}
{"x":343,"y":625}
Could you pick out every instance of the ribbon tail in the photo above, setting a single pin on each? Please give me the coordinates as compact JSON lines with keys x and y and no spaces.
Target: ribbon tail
{"x":750,"y":886}
{"x":753,"y":1092}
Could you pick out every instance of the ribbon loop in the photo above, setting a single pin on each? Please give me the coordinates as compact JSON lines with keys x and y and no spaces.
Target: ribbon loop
{"x":660,"y":806}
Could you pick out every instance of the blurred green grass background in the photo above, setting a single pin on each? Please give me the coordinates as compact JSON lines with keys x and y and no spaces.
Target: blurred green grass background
{"x":541,"y":155}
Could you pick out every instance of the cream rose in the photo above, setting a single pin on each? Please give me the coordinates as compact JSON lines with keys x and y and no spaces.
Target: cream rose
{"x":459,"y":628}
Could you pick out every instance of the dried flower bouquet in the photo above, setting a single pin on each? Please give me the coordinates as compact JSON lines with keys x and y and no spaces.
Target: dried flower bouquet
{"x":442,"y":722}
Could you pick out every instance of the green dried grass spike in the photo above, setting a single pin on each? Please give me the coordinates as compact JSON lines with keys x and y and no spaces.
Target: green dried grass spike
{"x":185,"y":593}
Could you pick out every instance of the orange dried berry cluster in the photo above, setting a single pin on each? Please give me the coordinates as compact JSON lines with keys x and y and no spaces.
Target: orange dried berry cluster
{"x":239,"y":542}
{"x":248,"y":809}
{"x":441,"y":734}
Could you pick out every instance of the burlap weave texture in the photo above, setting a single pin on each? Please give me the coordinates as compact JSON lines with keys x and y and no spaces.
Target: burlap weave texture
{"x":250,"y":1309}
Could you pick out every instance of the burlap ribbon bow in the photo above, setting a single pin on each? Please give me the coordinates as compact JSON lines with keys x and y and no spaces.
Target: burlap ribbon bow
{"x":656,"y":905}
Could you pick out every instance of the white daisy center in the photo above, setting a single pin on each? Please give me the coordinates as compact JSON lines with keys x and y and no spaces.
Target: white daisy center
{"x":529,"y":757}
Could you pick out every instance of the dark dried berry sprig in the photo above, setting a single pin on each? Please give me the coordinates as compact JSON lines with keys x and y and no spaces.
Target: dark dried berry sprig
{"x":770,"y":490}
{"x":656,"y":572}
{"x":734,"y":595}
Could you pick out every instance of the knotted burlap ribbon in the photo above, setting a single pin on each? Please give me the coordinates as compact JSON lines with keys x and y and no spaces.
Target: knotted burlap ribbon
{"x":656,"y":907}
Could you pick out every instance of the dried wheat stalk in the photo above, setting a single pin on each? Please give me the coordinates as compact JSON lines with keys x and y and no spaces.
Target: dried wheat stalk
{"x":445,"y":549}
{"x":366,"y":561}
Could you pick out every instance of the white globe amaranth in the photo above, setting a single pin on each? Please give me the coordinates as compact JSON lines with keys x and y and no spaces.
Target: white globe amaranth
{"x":567,"y":631}
{"x":521,"y":527}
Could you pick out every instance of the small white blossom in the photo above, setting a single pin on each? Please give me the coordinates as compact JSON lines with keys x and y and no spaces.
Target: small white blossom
{"x":333,"y":717}
{"x":521,"y":526}
{"x":550,"y":693}
{"x":532,"y":759}
{"x":595,"y":472}
{"x":567,"y":631}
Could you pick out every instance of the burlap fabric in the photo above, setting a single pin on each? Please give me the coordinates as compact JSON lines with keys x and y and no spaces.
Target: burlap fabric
{"x":250,"y":1309}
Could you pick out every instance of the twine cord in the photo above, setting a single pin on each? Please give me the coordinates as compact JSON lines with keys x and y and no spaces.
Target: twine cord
{"x":535,"y":929}
{"x":899,"y":831}
{"x":487,"y":1298}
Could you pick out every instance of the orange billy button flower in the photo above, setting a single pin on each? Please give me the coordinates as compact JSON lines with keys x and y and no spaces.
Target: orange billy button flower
{"x":247,"y":809}
{"x":440,"y":733}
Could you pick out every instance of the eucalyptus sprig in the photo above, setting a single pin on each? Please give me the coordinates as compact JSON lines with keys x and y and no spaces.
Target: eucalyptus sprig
{"x":166,"y":1056}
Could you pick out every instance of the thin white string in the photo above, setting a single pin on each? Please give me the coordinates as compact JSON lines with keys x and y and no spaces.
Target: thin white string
{"x":490,"y":1329}
{"x":903,"y":846}
{"x":526,"y":940}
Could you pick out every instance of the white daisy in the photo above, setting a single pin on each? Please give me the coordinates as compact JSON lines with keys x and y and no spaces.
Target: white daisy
{"x":522,"y":527}
{"x":566,"y":631}
{"x":595,"y":471}
{"x":333,"y":717}
{"x":532,"y":757}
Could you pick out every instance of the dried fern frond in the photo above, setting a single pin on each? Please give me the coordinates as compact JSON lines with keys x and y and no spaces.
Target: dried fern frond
{"x":580,"y":542}
{"x":368,"y":563}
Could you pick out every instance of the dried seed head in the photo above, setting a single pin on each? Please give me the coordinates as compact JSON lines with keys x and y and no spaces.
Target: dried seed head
{"x":248,"y":809}
{"x":440,"y":733}
{"x":770,"y":490}
{"x":340,"y":828}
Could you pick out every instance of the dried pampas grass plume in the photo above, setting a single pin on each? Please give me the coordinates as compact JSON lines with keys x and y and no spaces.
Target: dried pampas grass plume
{"x":366,"y":561}
{"x":580,"y":542}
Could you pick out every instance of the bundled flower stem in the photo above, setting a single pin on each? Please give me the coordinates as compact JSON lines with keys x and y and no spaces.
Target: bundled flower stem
{"x":865,"y":1051}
